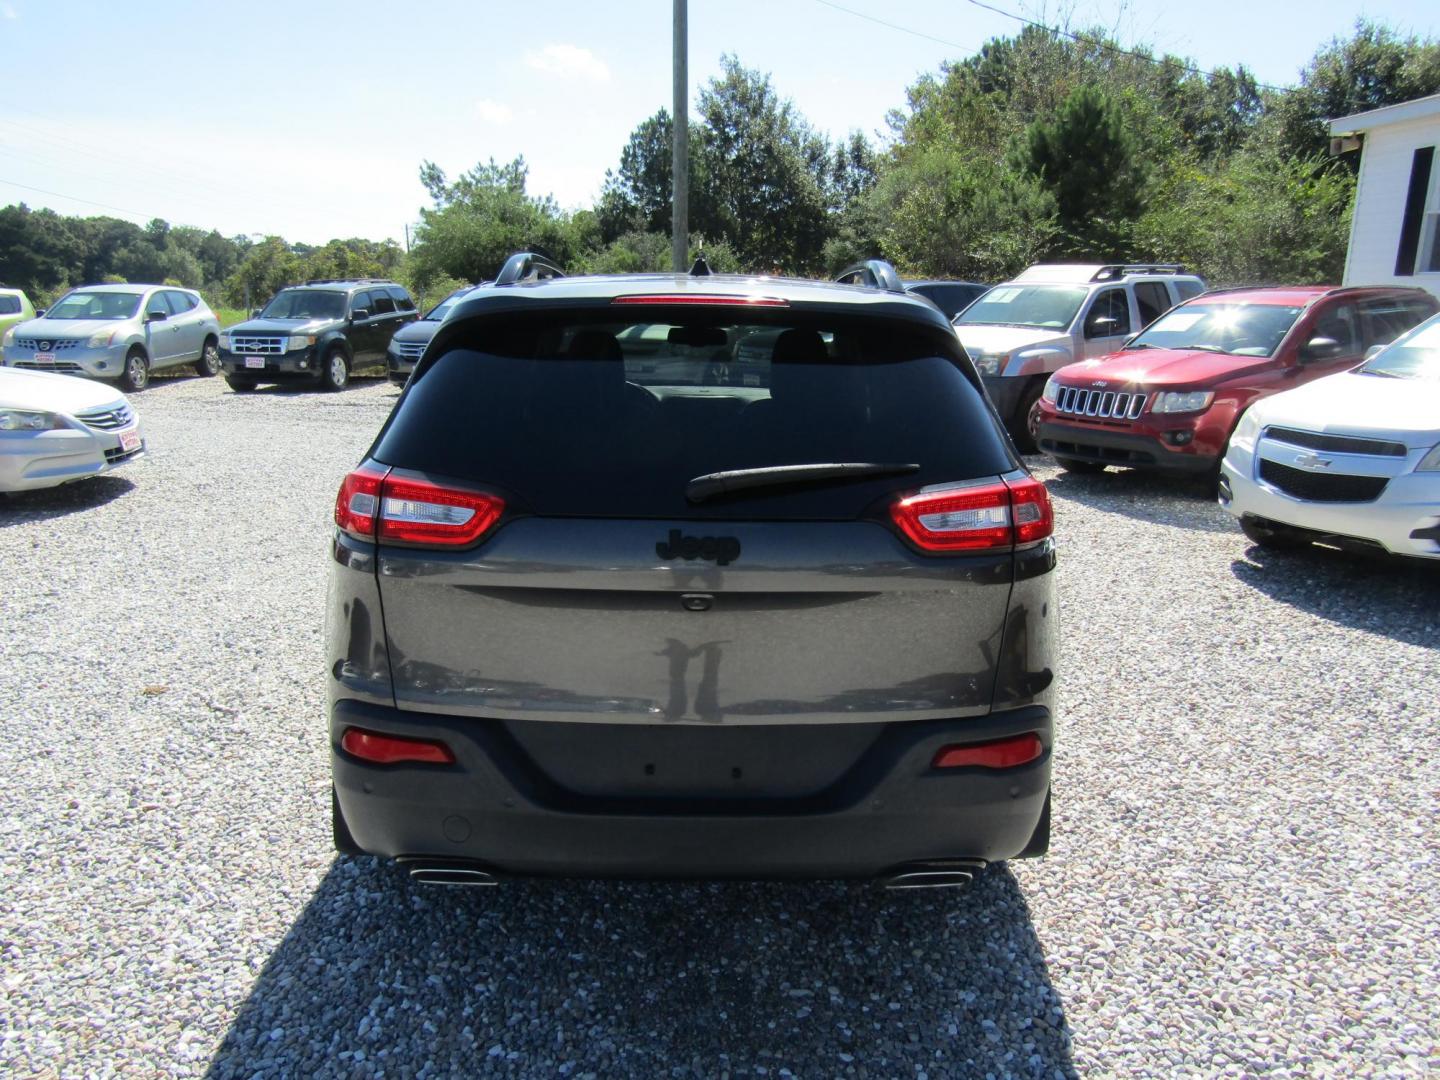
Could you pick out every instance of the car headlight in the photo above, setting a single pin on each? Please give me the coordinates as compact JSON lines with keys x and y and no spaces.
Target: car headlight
{"x":9,"y":337}
{"x":990,"y":363}
{"x":1052,"y":388}
{"x":1172,"y":402}
{"x":304,"y":341}
{"x":1248,"y":430}
{"x":100,"y":339}
{"x":225,"y":341}
{"x":15,"y":420}
{"x":1431,"y":461}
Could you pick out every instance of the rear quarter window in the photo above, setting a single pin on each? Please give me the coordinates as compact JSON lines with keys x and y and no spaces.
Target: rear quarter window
{"x":598,"y":418}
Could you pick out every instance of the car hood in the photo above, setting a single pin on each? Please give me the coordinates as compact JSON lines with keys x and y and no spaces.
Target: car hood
{"x":987,"y":338}
{"x":420,"y":330}
{"x":281,"y":326}
{"x":1164,"y":368}
{"x":69,"y":329}
{"x":44,"y":391}
{"x":1406,"y":410}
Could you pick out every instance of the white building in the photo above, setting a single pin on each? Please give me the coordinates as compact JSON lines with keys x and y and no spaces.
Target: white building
{"x":1393,"y":237}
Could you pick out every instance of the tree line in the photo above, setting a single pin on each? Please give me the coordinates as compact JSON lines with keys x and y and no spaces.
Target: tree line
{"x":1040,"y":146}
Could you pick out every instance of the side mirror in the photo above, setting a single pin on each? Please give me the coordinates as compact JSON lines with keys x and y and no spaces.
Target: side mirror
{"x":1101,"y":327}
{"x":359,"y":313}
{"x":1373,"y":350}
{"x":255,"y":312}
{"x":39,"y":313}
{"x":1319,"y":348}
{"x":155,"y":315}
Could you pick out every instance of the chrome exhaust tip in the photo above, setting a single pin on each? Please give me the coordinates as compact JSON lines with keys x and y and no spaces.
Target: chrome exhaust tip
{"x":952,"y":874}
{"x":451,"y":875}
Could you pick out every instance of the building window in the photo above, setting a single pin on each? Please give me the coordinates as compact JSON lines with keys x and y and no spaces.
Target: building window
{"x":1417,"y":227}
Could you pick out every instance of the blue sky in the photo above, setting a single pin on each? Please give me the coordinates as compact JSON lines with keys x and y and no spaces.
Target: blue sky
{"x":310,"y":120}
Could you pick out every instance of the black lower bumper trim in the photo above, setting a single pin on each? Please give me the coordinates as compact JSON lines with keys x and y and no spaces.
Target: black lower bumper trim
{"x":1117,"y":448}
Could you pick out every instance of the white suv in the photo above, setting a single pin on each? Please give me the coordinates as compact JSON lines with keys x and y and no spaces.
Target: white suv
{"x":1053,"y":314}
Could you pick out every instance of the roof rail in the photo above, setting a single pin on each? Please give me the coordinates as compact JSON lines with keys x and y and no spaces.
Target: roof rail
{"x":1112,"y":271}
{"x":348,"y":280}
{"x":527,"y":266}
{"x":872,"y":274}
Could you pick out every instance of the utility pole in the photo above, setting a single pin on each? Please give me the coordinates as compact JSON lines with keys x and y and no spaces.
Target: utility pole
{"x":680,"y":158}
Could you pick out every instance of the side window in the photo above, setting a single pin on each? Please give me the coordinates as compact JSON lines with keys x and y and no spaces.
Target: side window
{"x":1341,"y":323}
{"x":384,"y":302}
{"x":1382,"y":321}
{"x":157,"y":302}
{"x":9,"y":305}
{"x":180,"y":302}
{"x":1153,"y":300}
{"x":1109,"y":315}
{"x":361,"y":300}
{"x":1188,"y":290}
{"x":402,"y":298}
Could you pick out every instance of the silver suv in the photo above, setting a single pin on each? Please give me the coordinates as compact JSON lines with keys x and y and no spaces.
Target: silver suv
{"x":692,"y":575}
{"x":120,"y":332}
{"x":1054,"y":314}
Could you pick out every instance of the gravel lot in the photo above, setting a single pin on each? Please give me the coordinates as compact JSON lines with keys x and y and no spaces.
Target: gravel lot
{"x":1243,"y":879}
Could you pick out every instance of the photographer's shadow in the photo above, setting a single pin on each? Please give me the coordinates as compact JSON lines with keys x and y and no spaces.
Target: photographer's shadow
{"x":564,"y":978}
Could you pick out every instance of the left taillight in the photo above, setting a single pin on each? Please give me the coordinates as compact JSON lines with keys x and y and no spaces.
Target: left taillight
{"x":979,"y":517}
{"x":376,"y":504}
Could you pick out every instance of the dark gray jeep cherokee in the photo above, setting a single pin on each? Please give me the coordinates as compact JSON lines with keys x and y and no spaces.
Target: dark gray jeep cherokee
{"x":692,"y":576}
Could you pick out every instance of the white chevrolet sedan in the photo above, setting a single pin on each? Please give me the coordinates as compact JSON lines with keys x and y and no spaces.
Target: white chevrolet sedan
{"x":1353,"y":457}
{"x":57,"y":428}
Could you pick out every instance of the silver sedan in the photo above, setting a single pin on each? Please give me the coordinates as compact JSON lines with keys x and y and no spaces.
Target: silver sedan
{"x":55,"y":428}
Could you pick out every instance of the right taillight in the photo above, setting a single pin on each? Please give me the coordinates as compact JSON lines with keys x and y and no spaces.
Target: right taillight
{"x":981,"y":517}
{"x":375,"y":504}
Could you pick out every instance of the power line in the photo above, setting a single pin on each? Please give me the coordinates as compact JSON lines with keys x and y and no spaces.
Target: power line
{"x":895,"y":26}
{"x":76,"y":198}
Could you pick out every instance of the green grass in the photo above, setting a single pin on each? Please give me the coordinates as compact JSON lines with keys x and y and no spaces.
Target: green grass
{"x":229,"y":316}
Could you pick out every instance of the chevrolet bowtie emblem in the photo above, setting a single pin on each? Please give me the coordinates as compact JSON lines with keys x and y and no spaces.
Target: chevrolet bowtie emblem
{"x":1314,"y":461}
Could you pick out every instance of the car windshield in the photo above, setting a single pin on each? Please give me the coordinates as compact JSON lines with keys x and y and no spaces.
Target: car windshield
{"x":1416,"y":356}
{"x":96,"y":305}
{"x":305,"y":304}
{"x":1049,"y":307}
{"x":1239,"y":329}
{"x":440,"y":310}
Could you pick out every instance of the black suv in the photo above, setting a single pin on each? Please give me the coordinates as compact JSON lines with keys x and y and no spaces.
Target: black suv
{"x":607,"y":599}
{"x":320,"y":332}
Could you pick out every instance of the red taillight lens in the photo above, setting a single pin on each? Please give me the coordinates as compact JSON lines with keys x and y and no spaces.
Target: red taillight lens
{"x":978,"y":518}
{"x":407,"y":510}
{"x":390,"y":749}
{"x":358,"y":500}
{"x":419,"y":512}
{"x":704,"y":300}
{"x":1001,"y":754}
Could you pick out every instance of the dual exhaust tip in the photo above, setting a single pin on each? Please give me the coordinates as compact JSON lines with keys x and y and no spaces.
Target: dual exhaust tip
{"x":951,"y":874}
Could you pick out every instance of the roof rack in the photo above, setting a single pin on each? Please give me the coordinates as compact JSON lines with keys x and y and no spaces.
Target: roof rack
{"x":349,"y":280}
{"x":872,"y":274}
{"x":527,"y":266}
{"x":1112,"y":271}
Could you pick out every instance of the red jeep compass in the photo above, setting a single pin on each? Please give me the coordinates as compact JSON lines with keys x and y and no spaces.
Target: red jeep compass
{"x":1170,"y":398}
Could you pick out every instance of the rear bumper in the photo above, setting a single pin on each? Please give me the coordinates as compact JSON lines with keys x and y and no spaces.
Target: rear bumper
{"x":495,"y":806}
{"x":1119,"y":448}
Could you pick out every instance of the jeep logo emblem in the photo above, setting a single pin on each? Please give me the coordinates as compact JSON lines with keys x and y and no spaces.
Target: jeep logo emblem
{"x":719,"y":549}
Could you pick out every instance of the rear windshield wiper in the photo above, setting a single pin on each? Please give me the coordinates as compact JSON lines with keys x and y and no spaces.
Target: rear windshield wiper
{"x":720,"y":483}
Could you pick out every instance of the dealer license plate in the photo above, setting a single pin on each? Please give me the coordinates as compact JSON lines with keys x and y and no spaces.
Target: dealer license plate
{"x":129,"y":440}
{"x":44,"y":358}
{"x":255,"y":361}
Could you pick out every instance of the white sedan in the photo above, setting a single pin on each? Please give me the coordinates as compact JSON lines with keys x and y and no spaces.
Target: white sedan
{"x":56,"y":428}
{"x":1351,"y":457}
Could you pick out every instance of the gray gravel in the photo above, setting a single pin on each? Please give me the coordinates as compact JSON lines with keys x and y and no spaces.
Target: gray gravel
{"x":1243,"y":877}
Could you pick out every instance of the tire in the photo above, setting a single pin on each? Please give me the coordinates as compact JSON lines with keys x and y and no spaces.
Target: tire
{"x":1025,"y":423}
{"x":240,"y":384}
{"x":335,"y":372}
{"x":1272,"y":535}
{"x":1084,"y":468}
{"x":339,"y":831}
{"x":136,"y":373}
{"x":208,"y":365}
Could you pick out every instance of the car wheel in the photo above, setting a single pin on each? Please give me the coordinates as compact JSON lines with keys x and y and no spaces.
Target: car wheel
{"x":1271,"y":534}
{"x":136,"y":373}
{"x":239,"y":385}
{"x":1027,"y":420}
{"x":335,"y":373}
{"x":1082,"y":467}
{"x":209,"y":362}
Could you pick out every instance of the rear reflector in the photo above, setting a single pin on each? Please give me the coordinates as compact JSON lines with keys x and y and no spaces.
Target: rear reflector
{"x":376,"y":504}
{"x":975,"y":518}
{"x":704,"y":300}
{"x":390,"y":749}
{"x":1001,"y":754}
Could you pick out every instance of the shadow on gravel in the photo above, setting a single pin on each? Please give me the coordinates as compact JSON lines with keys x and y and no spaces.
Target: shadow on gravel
{"x":569,"y":978}
{"x":19,"y":507}
{"x":1186,"y":502}
{"x":1396,"y":597}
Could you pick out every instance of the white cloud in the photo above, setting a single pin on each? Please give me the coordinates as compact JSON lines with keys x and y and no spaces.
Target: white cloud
{"x":493,"y":112}
{"x":569,"y":62}
{"x":9,"y":12}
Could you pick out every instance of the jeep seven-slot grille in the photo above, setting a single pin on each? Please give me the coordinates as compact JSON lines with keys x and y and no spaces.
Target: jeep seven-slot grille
{"x":1102,"y":404}
{"x":1321,"y":487}
{"x":1337,"y":444}
{"x":254,"y":345}
{"x":108,"y":419}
